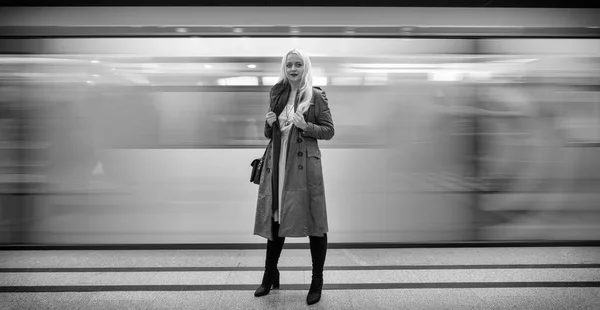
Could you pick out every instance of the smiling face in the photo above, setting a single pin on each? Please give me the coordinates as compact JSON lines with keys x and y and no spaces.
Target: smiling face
{"x":294,"y":68}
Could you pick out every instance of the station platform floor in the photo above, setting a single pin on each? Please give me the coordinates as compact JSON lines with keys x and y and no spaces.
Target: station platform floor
{"x":399,"y":278}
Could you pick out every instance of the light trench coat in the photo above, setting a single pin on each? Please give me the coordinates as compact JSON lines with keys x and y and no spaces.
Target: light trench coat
{"x":303,"y":209}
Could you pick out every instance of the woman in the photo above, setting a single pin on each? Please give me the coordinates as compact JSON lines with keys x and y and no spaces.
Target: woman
{"x":291,"y":194}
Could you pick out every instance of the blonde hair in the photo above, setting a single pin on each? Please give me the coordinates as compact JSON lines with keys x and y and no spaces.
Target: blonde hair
{"x":305,"y":91}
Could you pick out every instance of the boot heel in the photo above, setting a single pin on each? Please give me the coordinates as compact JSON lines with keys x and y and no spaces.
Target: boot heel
{"x":269,"y":280}
{"x":314,"y":293}
{"x":276,"y":282}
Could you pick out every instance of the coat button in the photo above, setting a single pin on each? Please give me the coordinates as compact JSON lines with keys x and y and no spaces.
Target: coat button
{"x":299,"y":140}
{"x":300,"y":154}
{"x":300,"y":167}
{"x":269,"y":157}
{"x":268,"y":169}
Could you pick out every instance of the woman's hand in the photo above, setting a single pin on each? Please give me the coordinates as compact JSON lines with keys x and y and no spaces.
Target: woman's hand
{"x":298,"y":120}
{"x":271,"y":117}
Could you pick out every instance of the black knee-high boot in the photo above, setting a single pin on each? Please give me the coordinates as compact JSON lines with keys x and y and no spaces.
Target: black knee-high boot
{"x":318,"y":251}
{"x":271,"y":275}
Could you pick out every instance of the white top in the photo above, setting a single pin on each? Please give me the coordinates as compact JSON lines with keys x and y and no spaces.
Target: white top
{"x":284,"y":116}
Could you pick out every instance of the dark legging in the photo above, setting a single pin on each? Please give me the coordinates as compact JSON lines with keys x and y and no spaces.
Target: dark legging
{"x":318,"y":251}
{"x":274,"y":247}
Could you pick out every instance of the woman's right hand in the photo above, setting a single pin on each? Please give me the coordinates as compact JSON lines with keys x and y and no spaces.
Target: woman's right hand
{"x":271,"y":117}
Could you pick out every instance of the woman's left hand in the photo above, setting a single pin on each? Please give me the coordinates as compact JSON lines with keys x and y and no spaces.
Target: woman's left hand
{"x":298,"y":120}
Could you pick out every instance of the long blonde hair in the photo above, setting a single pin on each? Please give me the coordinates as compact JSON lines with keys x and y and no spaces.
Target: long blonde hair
{"x":305,"y":91}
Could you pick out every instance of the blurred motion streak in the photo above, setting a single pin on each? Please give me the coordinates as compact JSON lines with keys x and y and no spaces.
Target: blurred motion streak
{"x":436,"y":139}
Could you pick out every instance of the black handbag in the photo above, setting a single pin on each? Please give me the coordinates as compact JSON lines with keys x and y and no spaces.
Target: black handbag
{"x":257,"y":165}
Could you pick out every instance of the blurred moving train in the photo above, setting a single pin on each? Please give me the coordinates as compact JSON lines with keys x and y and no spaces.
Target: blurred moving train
{"x":137,"y":125}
